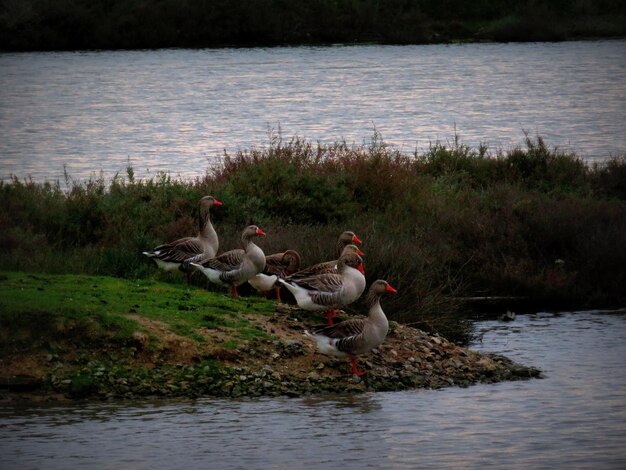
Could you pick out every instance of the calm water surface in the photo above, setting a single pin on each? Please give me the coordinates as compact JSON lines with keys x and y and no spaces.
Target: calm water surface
{"x":574,"y":418}
{"x":177,"y":110}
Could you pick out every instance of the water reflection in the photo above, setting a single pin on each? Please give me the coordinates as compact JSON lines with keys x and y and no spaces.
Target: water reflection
{"x":348,"y":403}
{"x":177,"y":110}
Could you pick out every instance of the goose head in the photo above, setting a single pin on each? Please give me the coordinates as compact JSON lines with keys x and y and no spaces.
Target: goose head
{"x":250,"y":232}
{"x":207,"y":202}
{"x":291,"y":259}
{"x":352,"y":260}
{"x":352,"y":249}
{"x":349,"y":237}
{"x":378,"y":289}
{"x":381,"y":287}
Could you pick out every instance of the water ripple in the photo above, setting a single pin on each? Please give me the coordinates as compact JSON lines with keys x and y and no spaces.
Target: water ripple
{"x":177,"y":110}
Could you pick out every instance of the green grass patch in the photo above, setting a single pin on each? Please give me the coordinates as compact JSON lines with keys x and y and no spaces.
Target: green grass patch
{"x":40,"y":310}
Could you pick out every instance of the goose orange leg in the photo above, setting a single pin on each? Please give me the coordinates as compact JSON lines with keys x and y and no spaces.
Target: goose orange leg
{"x":330,"y":315}
{"x":233,"y":291}
{"x":355,"y":369}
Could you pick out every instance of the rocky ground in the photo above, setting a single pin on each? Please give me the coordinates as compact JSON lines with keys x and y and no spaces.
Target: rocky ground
{"x":162,"y":363}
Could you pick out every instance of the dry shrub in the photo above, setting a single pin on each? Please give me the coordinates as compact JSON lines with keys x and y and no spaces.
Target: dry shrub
{"x":451,"y":223}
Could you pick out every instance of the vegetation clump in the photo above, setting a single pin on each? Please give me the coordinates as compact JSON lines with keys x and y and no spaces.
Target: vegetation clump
{"x":136,"y":24}
{"x":445,"y":227}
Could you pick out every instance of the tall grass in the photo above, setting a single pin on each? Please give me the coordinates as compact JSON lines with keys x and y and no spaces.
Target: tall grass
{"x":447,"y":224}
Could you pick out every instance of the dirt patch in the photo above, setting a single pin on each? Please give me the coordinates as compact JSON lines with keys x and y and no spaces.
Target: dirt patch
{"x":34,"y":364}
{"x":160,"y":344}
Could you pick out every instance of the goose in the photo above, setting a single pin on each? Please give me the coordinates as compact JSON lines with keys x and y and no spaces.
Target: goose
{"x":327,"y":266}
{"x":172,"y":256}
{"x":276,"y":265}
{"x":329,"y":291}
{"x":358,"y":335}
{"x":347,"y":241}
{"x":235,"y":267}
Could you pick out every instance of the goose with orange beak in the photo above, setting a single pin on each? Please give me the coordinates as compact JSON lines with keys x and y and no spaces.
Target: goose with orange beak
{"x":179,"y":253}
{"x":235,"y":267}
{"x":356,"y":336}
{"x":329,"y":291}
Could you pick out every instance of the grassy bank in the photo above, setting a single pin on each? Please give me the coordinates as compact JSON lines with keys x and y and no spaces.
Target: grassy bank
{"x":446,"y":225}
{"x":453,"y":222}
{"x":132,"y":24}
{"x":93,"y":336}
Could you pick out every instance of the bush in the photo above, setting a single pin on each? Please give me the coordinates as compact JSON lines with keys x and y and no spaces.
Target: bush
{"x":448,"y":224}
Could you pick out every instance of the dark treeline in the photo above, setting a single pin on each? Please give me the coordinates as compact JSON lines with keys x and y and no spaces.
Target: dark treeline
{"x":131,"y":24}
{"x":452,"y":223}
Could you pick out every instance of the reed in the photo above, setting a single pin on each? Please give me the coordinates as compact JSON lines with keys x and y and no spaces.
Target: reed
{"x":447,"y":224}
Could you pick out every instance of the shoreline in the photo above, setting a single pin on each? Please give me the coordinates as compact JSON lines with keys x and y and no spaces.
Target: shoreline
{"x":253,"y":45}
{"x":284,"y":365}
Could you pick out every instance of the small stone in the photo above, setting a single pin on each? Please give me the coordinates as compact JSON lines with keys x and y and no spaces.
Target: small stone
{"x":487,"y":364}
{"x":508,"y":316}
{"x":320,"y":366}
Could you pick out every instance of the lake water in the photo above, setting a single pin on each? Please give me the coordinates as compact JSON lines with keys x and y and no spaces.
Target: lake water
{"x":574,"y":418}
{"x":177,"y":110}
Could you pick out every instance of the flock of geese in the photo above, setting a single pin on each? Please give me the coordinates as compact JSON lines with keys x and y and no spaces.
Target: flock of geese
{"x":324,"y":287}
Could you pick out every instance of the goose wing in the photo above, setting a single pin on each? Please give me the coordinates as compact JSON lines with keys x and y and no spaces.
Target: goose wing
{"x":325,"y":289}
{"x":320,"y":268}
{"x":350,"y":334}
{"x":353,"y":344}
{"x":274,"y":264}
{"x":345,"y":329}
{"x":226,"y":261}
{"x":178,"y":251}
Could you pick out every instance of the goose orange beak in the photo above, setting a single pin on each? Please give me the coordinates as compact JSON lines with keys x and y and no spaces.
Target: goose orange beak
{"x":360,"y":268}
{"x":359,"y":252}
{"x":260,"y":232}
{"x":391,"y":289}
{"x":217,"y":203}
{"x":356,"y":240}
